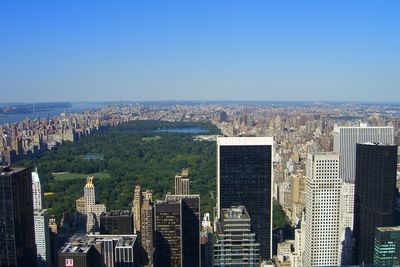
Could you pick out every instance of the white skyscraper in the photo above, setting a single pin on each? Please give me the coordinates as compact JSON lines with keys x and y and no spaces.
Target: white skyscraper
{"x":42,"y":238}
{"x":345,"y":140}
{"x":37,"y":192}
{"x":93,"y":210}
{"x":323,"y":187}
{"x":41,"y":224}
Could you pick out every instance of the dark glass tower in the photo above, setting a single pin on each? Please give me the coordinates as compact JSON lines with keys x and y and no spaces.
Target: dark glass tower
{"x":244,"y":177}
{"x":374,"y":196}
{"x":177,"y":232}
{"x":17,"y":238}
{"x":116,"y":222}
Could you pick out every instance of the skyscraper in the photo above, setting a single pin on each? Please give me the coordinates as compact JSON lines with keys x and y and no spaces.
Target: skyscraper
{"x":168,"y":229}
{"x":137,"y":202}
{"x":41,"y":224}
{"x":93,"y":210}
{"x":178,"y":231}
{"x":36,"y":191}
{"x":182,"y":183}
{"x":345,"y":140}
{"x":387,"y":246}
{"x":244,"y":177}
{"x":17,"y":238}
{"x":374,"y":197}
{"x":42,"y":238}
{"x":322,"y":210}
{"x":235,"y":242}
{"x":147,"y":229}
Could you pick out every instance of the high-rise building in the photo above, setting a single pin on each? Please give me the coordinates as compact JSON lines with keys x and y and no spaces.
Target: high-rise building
{"x":387,"y":246}
{"x":17,"y":236}
{"x":42,"y":238}
{"x":375,"y":192}
{"x":177,"y":235}
{"x":346,"y":222}
{"x":116,"y":222}
{"x":323,"y":187}
{"x":345,"y":140}
{"x":168,"y":229}
{"x":235,"y":243}
{"x":37,"y":191}
{"x":41,"y":224}
{"x":93,"y":210}
{"x":147,"y":229}
{"x":182,"y":183}
{"x":137,"y":202}
{"x":190,"y":236}
{"x":244,"y":177}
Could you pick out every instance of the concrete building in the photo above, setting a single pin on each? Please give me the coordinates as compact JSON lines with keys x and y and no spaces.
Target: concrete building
{"x":235,"y":243}
{"x":244,"y":177}
{"x":37,"y":191}
{"x":42,"y":238}
{"x":147,"y":229}
{"x":93,"y":210}
{"x":346,"y":222}
{"x":323,"y":187}
{"x":182,"y":183}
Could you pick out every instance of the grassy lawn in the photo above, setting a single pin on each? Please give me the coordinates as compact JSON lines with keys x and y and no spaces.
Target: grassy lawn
{"x":62,"y":176}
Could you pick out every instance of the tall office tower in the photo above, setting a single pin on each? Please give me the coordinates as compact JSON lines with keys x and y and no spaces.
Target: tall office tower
{"x":190,"y":217}
{"x":147,"y":229}
{"x":137,"y":202}
{"x":374,"y":196}
{"x":177,"y":225}
{"x":36,"y":191}
{"x":17,"y":237}
{"x":346,"y":222}
{"x":235,"y":243}
{"x":168,"y":229}
{"x":93,"y":210}
{"x":345,"y":140}
{"x":116,"y":222}
{"x":323,"y":187}
{"x":42,"y":238}
{"x":244,"y":177}
{"x":41,"y":222}
{"x":182,"y":183}
{"x":387,"y":246}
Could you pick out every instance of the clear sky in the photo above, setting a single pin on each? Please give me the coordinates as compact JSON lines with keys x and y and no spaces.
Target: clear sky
{"x":199,"y":50}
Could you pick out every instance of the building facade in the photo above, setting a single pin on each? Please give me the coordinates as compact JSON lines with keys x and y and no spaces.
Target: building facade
{"x":345,"y":140}
{"x":323,"y":187}
{"x":17,"y":236}
{"x":42,"y":238}
{"x":116,"y":222}
{"x":235,"y":243}
{"x":375,"y":193}
{"x":244,"y":177}
{"x":387,"y":246}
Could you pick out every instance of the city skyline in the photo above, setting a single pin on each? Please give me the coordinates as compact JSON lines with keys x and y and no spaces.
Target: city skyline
{"x":338,"y":51}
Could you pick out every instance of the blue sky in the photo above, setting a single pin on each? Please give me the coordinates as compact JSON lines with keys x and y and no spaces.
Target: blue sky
{"x":199,"y":50}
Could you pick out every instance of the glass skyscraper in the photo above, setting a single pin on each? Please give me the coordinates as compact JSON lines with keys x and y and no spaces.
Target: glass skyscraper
{"x":244,"y":177}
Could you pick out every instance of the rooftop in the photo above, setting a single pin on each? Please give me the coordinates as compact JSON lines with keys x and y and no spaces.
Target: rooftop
{"x":7,"y":170}
{"x":388,"y":229}
{"x":116,"y":213}
{"x":245,"y":141}
{"x":235,"y":212}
